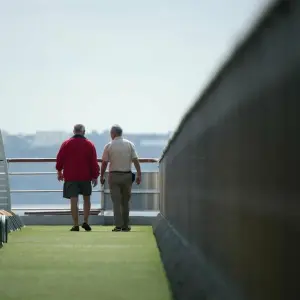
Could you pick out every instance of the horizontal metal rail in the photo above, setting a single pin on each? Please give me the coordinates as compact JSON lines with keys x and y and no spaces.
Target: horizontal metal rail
{"x":94,"y":191}
{"x":45,"y":173}
{"x":48,"y":209}
{"x":141,"y":191}
{"x":53,"y":160}
{"x":30,"y":173}
{"x":44,"y":191}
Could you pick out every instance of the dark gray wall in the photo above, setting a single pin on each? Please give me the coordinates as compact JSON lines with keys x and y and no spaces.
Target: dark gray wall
{"x":230,"y":182}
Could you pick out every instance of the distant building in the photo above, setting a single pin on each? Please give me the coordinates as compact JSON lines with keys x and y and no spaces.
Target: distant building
{"x":48,"y":138}
{"x":154,"y":142}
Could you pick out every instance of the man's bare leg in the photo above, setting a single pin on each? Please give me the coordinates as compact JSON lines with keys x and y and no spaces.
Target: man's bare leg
{"x":74,"y":210}
{"x":86,"y":212}
{"x":86,"y":208}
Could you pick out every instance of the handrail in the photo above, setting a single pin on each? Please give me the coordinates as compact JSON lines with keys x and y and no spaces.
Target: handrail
{"x":103,"y":191}
{"x":36,"y":160}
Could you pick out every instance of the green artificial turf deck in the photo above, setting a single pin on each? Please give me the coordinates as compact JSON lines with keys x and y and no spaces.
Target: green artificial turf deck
{"x":49,"y":262}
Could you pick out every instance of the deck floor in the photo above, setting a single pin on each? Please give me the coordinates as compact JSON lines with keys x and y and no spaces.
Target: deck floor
{"x":49,"y":262}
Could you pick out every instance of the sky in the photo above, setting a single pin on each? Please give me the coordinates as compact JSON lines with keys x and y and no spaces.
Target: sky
{"x":137,"y":63}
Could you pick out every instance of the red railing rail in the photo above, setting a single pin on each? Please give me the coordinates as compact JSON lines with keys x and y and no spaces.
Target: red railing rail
{"x":40,"y":160}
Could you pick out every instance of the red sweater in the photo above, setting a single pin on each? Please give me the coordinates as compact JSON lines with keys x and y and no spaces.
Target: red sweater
{"x":77,"y":158}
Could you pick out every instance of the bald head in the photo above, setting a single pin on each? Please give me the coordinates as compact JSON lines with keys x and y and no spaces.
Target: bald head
{"x":116,"y":131}
{"x":79,"y":129}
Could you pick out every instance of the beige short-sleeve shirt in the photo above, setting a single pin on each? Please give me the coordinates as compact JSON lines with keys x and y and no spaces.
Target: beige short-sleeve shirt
{"x":119,"y":153}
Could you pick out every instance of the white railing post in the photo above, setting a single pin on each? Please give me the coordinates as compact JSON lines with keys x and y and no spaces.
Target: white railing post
{"x":5,"y":198}
{"x":102,"y":199}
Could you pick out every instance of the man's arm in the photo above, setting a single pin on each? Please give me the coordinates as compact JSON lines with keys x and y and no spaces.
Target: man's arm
{"x":94,"y":163}
{"x":136,"y":163}
{"x":60,"y":161}
{"x":105,"y":160}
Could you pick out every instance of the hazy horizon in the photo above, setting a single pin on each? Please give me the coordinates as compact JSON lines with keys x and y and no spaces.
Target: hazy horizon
{"x":3,"y":130}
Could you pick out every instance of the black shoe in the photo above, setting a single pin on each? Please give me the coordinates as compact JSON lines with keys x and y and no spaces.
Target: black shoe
{"x":86,"y":227}
{"x":127,"y":229}
{"x":117,"y":229}
{"x":75,"y":228}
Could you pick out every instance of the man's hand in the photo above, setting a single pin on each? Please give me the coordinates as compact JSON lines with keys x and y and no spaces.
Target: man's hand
{"x":60,"y":176}
{"x":102,"y":180}
{"x":94,"y":182}
{"x":138,"y":179}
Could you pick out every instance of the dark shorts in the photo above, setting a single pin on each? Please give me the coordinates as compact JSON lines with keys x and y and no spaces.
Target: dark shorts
{"x":76,"y":188}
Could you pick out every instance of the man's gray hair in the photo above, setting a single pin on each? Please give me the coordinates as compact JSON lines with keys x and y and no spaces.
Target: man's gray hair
{"x":117,"y":129}
{"x":79,"y":129}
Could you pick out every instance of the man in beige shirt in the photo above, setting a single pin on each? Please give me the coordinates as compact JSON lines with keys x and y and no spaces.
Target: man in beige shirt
{"x":120,"y":154}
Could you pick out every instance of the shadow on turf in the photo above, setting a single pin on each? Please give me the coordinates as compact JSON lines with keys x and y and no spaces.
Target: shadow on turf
{"x":97,"y":231}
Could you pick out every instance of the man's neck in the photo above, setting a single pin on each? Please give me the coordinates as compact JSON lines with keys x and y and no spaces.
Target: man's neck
{"x":78,"y":135}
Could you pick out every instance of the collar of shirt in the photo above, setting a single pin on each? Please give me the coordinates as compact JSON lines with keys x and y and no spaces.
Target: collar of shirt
{"x":78,"y":136}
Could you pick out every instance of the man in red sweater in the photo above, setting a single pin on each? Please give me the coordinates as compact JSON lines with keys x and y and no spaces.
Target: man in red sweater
{"x":77,"y":165}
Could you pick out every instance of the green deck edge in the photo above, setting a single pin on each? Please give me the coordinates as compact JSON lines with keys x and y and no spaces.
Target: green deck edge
{"x":49,"y":262}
